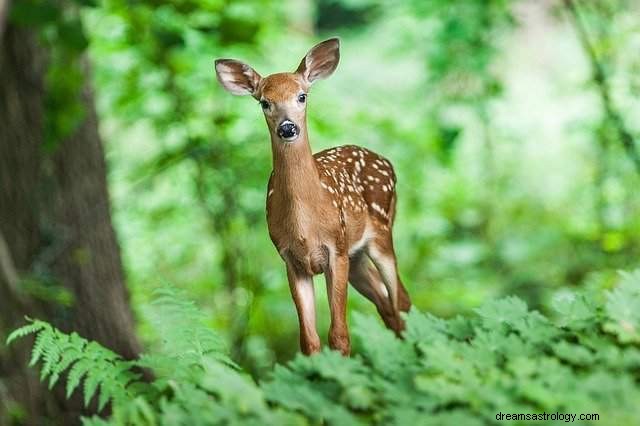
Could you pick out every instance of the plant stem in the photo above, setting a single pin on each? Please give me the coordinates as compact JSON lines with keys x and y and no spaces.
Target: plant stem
{"x":602,"y":84}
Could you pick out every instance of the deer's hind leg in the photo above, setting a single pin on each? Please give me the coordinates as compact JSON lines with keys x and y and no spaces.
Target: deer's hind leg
{"x":366,"y":279}
{"x":382,"y":254}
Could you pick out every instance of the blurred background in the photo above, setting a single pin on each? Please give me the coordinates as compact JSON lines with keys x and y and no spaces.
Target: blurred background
{"x":512,"y":126}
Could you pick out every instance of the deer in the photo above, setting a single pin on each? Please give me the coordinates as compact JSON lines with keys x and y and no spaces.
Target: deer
{"x":328,"y":213}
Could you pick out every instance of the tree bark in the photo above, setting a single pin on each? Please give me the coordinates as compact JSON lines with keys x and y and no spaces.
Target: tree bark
{"x":4,"y":11}
{"x":56,"y":228}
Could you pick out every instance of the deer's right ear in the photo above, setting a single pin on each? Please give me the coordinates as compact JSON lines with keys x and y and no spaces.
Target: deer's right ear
{"x":237,"y":77}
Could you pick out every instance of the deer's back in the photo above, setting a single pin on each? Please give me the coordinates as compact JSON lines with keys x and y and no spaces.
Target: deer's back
{"x":360,"y":181}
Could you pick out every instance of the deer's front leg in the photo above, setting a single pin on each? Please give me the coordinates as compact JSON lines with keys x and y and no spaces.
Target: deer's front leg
{"x":301,"y":286}
{"x":337,"y":276}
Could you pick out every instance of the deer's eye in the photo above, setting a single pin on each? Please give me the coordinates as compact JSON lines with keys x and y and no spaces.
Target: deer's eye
{"x":264,"y":104}
{"x":302,"y":98}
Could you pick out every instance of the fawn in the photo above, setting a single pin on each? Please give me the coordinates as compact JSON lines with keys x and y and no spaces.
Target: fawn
{"x":329,"y":213}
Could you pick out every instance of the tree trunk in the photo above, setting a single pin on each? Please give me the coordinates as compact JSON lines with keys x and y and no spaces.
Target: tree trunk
{"x":56,"y":231}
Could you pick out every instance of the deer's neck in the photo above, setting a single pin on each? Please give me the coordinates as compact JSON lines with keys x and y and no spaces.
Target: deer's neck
{"x":294,"y":170}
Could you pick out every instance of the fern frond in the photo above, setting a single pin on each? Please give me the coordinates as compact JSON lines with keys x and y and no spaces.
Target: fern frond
{"x":186,"y":339}
{"x":25,"y":330}
{"x":51,"y":355}
{"x":44,"y":341}
{"x":70,"y":353}
{"x":94,"y":421}
{"x":105,"y":373}
{"x":91,"y":383}
{"x":75,"y":375}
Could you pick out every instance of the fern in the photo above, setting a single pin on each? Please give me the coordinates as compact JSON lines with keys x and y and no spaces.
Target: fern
{"x":188,"y":348}
{"x":61,"y":353}
{"x":444,"y":372}
{"x":185,"y":337}
{"x":186,"y":344}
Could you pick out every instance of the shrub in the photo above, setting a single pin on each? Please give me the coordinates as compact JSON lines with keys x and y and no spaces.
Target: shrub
{"x":461,"y":371}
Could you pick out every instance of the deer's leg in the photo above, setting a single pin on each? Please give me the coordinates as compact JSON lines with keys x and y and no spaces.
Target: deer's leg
{"x":381,"y":252}
{"x":404,"y":301}
{"x":337,"y":275}
{"x":366,"y":279}
{"x":301,"y":286}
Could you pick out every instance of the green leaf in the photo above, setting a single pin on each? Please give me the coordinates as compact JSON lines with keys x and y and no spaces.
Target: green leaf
{"x":43,"y":341}
{"x":509,"y":311}
{"x":573,"y":353}
{"x":76,"y":373}
{"x":574,"y":311}
{"x":103,"y":398}
{"x":623,"y":308}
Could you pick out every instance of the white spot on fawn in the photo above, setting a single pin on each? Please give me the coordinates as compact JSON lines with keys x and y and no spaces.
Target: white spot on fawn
{"x":379,"y":209}
{"x":366,"y":237}
{"x":384,"y":290}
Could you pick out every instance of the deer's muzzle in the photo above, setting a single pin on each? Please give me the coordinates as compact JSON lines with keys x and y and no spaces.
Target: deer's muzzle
{"x":288,"y":131}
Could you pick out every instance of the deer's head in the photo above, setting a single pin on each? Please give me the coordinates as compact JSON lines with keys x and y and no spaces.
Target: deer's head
{"x":282,"y":96}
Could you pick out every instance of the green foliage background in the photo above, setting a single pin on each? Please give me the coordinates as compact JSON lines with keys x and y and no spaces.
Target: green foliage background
{"x":510,"y":178}
{"x":514,"y":179}
{"x":505,"y":185}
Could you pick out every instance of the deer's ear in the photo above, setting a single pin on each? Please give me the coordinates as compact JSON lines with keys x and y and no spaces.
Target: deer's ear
{"x":237,"y":77}
{"x":321,"y":61}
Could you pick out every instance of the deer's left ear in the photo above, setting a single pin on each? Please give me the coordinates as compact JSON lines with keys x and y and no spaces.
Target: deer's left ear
{"x":321,"y":61}
{"x":237,"y":77}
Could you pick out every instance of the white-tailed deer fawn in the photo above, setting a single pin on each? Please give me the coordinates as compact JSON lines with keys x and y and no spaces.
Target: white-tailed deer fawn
{"x":329,"y":213}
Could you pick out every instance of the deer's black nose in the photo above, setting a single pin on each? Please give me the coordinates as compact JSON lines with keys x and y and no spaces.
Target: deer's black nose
{"x":288,"y":130}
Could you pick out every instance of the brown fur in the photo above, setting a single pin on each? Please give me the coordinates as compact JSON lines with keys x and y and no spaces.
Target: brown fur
{"x":279,"y":87}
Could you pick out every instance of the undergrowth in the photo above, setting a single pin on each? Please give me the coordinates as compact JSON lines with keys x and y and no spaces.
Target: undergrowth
{"x":462,"y":371}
